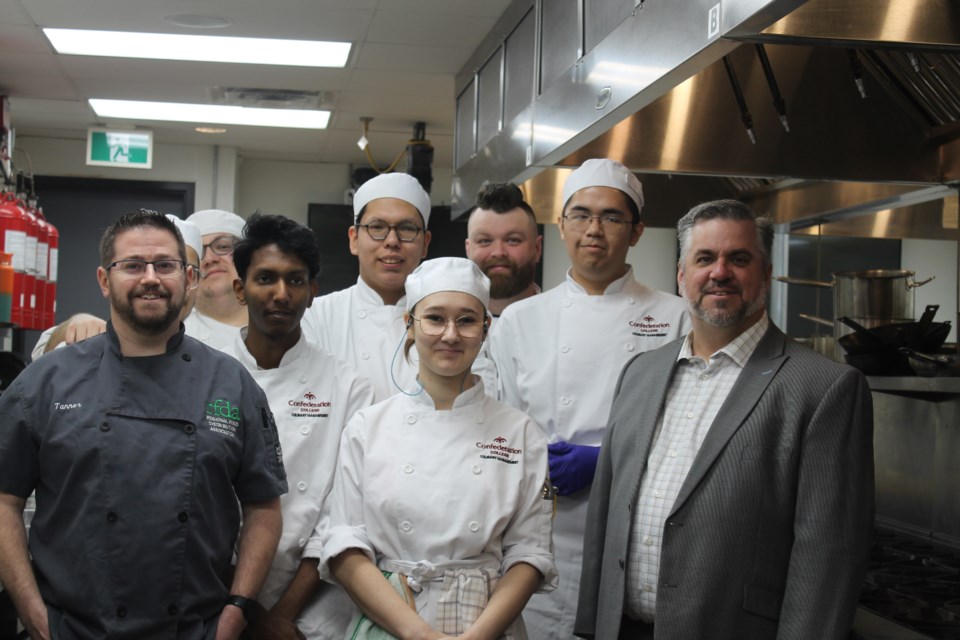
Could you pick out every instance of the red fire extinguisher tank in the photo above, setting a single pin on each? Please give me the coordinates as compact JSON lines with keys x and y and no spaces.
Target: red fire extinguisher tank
{"x":13,"y":236}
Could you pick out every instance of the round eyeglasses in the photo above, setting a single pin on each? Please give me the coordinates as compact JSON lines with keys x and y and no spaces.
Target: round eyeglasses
{"x":465,"y":326}
{"x":221,"y":245}
{"x":137,"y":268}
{"x":577,"y":221}
{"x":406,"y":231}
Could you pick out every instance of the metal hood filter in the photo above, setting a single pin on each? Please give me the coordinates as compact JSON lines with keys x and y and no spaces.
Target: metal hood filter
{"x":824,"y":55}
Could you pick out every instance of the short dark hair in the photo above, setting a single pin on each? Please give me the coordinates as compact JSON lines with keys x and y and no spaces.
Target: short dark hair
{"x":725,"y":210}
{"x":133,"y":220}
{"x":502,"y":197}
{"x":291,"y":237}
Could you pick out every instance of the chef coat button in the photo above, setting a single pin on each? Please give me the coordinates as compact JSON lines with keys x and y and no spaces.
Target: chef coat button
{"x":361,"y":314}
{"x":104,"y":426}
{"x":630,"y":301}
{"x":564,"y":348}
{"x":476,"y":469}
{"x":567,"y":303}
{"x":302,"y":542}
{"x":189,"y":429}
{"x":629,"y":346}
{"x":564,"y":400}
{"x":111,"y":517}
{"x":305,"y":430}
{"x":474,"y":527}
{"x":302,"y":485}
{"x":479,"y":419}
{"x":406,"y":526}
{"x":182,"y":516}
{"x":186,"y":358}
{"x":408,"y":469}
{"x":411,"y":419}
{"x":121,"y":612}
{"x":303,"y":379}
{"x":365,"y":356}
{"x":172,"y":610}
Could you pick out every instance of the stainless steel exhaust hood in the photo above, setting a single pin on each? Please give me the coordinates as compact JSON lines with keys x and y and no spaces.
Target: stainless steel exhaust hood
{"x":654,"y":93}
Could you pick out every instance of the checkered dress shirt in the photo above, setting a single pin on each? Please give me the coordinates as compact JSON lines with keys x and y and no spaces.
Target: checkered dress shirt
{"x":697,"y":391}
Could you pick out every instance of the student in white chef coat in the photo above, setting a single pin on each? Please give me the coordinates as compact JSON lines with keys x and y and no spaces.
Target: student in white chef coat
{"x":311,"y":395}
{"x":440,"y":516}
{"x":363,"y":324}
{"x":217,"y":316}
{"x":558,"y":356}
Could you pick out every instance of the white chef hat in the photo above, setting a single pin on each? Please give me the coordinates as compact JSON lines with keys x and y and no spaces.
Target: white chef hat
{"x":604,"y":173}
{"x":217,"y":221}
{"x":190,"y":232}
{"x":447,"y":274}
{"x":392,"y":185}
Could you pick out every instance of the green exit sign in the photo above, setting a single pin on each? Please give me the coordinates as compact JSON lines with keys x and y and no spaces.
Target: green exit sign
{"x":119,"y":148}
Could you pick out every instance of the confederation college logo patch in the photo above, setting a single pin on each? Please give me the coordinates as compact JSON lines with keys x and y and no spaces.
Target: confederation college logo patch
{"x":648,"y":327}
{"x":499,"y":450}
{"x":309,"y":407}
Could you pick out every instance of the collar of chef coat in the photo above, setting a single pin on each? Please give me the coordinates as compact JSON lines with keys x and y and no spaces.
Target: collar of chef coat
{"x":367,"y":297}
{"x":471,"y":395}
{"x":172,"y":344}
{"x":243,"y":354}
{"x":617,"y":286}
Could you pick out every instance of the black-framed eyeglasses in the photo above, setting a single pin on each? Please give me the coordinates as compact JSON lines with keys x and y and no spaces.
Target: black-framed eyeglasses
{"x":137,"y":268}
{"x":578,"y":221}
{"x":435,"y":325}
{"x":221,"y":245}
{"x":406,"y":231}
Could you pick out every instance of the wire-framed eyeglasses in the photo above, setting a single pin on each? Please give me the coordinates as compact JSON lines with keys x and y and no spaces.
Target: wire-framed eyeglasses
{"x":578,"y":221}
{"x":378,"y":230}
{"x":137,"y":268}
{"x":221,"y":245}
{"x":435,"y":325}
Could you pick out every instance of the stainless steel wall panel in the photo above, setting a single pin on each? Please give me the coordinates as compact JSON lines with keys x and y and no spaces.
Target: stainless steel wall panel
{"x":519,"y":55}
{"x":466,"y":142}
{"x":560,"y":39}
{"x":602,"y":16}
{"x":490,"y":99}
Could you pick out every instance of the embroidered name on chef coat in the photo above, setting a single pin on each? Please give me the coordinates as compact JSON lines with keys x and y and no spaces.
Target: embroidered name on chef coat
{"x":499,"y":450}
{"x":309,"y":407}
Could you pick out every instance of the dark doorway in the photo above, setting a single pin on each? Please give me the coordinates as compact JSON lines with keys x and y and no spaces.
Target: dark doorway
{"x":81,"y":208}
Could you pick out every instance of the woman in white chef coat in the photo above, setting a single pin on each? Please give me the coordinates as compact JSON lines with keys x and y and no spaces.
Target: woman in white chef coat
{"x":441,"y":514}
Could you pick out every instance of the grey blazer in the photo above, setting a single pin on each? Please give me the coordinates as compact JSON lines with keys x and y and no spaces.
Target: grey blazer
{"x":770,"y":534}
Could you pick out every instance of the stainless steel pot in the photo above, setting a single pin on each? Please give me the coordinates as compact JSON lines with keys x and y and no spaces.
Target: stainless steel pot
{"x":871,"y":298}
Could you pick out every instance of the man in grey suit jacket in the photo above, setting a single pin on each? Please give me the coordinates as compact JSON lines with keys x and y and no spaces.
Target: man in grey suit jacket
{"x":734,"y":493}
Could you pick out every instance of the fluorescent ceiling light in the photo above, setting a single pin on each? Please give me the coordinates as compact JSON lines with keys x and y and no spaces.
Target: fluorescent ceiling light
{"x":211,"y":113}
{"x":168,"y":46}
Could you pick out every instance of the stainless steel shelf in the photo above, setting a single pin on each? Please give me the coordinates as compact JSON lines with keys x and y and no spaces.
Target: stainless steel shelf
{"x":914,"y":384}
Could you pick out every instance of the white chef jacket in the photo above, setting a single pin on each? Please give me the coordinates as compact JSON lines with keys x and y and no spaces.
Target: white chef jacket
{"x":422,"y":491}
{"x":312,"y":396}
{"x":356,"y":326}
{"x":213,"y":333}
{"x":558,"y":357}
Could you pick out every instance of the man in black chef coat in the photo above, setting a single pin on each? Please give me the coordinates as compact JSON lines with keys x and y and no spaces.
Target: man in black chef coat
{"x":138,"y":442}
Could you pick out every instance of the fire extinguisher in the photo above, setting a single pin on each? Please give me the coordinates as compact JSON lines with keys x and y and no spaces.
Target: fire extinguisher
{"x":50,"y":300}
{"x":30,"y":269}
{"x":43,"y":254}
{"x":13,"y":236}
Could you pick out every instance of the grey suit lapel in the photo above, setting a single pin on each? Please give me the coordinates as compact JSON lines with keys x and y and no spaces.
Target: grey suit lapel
{"x":661,"y":365}
{"x":757,"y":374}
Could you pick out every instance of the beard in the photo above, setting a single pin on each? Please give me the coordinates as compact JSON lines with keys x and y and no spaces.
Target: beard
{"x":725,"y":315}
{"x":147,"y":323}
{"x":507,"y":285}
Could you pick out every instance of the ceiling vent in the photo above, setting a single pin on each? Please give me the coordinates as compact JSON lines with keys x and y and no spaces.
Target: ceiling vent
{"x":272,"y":98}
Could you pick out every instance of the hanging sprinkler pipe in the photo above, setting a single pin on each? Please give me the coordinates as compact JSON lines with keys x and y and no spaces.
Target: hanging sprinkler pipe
{"x":745,"y":116}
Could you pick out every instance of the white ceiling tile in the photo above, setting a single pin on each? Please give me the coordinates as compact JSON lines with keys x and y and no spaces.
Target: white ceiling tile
{"x":483,"y":8}
{"x":37,"y":86}
{"x":400,"y":82}
{"x":430,"y":29}
{"x":24,"y":39}
{"x":422,"y":59}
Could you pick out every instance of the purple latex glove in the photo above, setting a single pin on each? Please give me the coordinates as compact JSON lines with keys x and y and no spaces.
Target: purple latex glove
{"x":572,"y":466}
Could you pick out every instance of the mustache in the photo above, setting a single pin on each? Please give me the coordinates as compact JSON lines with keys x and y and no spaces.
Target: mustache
{"x":498,"y":262}
{"x":152,"y":291}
